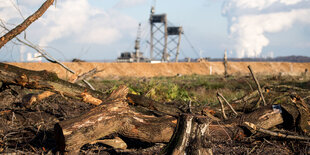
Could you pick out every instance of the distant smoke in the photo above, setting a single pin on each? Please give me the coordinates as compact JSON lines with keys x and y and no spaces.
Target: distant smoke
{"x":250,"y":20}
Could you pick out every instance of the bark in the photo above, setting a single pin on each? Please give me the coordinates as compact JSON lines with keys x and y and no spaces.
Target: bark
{"x":153,"y":105}
{"x":23,"y":26}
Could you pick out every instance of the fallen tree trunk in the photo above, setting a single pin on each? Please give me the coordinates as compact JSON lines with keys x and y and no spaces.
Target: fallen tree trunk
{"x":112,"y":116}
{"x":12,"y":75}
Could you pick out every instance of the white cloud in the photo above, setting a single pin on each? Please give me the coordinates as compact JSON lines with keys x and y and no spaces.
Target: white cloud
{"x":258,"y":4}
{"x":249,"y":22}
{"x":83,"y":23}
{"x":31,"y":2}
{"x":7,"y":12}
{"x":75,"y":20}
{"x":67,"y":18}
{"x":129,"y":3}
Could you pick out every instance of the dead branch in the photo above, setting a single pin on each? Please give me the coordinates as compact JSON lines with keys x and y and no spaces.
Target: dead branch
{"x":258,"y":85}
{"x":86,"y":75}
{"x":222,"y":107}
{"x":21,"y":27}
{"x":277,"y":134}
{"x":230,"y":106}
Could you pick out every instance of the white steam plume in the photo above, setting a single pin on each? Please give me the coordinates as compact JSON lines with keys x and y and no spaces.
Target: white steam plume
{"x":250,"y":20}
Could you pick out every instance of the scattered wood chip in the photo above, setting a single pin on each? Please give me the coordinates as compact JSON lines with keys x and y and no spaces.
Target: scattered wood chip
{"x":5,"y":112}
{"x":29,"y":99}
{"x":22,"y":80}
{"x":86,"y":97}
{"x":130,"y":100}
{"x":44,"y":95}
{"x":175,"y":121}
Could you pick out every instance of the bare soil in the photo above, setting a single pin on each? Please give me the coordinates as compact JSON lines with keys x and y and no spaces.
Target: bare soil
{"x":170,"y":69}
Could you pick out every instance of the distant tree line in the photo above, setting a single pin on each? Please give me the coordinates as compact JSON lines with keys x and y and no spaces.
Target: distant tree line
{"x":292,"y":58}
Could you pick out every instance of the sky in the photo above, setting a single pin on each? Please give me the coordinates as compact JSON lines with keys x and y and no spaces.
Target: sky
{"x":99,"y":30}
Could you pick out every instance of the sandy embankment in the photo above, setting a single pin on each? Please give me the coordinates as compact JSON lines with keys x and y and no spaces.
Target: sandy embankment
{"x":169,"y":69}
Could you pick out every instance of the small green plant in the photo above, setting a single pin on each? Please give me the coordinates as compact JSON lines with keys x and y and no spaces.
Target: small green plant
{"x":200,"y":89}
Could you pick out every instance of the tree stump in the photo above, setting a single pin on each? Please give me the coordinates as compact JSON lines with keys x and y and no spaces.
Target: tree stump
{"x":190,"y":136}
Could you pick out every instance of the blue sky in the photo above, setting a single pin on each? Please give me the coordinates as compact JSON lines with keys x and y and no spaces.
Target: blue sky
{"x":102,"y":29}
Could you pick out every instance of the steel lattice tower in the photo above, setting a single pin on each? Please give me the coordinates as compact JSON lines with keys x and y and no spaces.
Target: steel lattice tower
{"x":159,"y":36}
{"x":174,"y":40}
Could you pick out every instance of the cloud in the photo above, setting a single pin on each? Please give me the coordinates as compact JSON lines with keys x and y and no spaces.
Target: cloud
{"x":129,"y":3}
{"x":31,"y":2}
{"x":83,"y":23}
{"x":250,"y":20}
{"x":75,"y":20}
{"x":7,"y":12}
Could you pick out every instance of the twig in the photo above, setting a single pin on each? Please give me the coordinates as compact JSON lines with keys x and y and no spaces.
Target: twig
{"x":258,"y":86}
{"x":224,"y":129}
{"x":190,"y":106}
{"x":86,"y":75}
{"x":230,"y":106}
{"x":252,"y":150}
{"x":88,"y":84}
{"x":222,"y":107}
{"x":249,"y":84}
{"x":277,"y":134}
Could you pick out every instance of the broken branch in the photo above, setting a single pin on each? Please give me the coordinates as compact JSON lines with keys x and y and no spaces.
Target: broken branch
{"x":258,"y":85}
{"x":277,"y":134}
{"x":230,"y":106}
{"x":222,"y":107}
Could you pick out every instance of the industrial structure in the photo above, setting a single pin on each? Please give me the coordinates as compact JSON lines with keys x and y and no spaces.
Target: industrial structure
{"x":164,"y":41}
{"x":160,"y":47}
{"x":135,"y":56}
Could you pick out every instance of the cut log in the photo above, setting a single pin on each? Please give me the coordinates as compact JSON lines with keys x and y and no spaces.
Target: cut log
{"x":113,"y":116}
{"x":264,"y":117}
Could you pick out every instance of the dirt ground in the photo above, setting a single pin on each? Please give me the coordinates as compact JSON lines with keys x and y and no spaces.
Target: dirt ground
{"x":170,"y":69}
